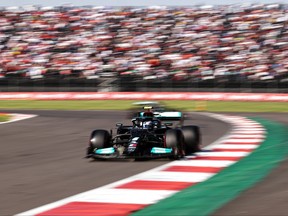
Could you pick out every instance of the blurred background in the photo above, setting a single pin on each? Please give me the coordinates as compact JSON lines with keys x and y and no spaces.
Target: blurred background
{"x":223,"y":48}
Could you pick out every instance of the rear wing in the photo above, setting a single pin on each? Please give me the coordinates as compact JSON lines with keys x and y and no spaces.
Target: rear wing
{"x":166,"y":116}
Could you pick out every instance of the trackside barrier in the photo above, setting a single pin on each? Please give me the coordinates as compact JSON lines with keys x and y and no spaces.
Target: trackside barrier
{"x":144,"y":96}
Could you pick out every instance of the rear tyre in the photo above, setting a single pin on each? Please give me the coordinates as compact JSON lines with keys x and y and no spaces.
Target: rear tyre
{"x":99,"y":139}
{"x":174,"y":139}
{"x":192,"y":138}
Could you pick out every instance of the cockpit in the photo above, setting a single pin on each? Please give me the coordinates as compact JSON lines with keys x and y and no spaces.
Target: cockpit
{"x":146,"y":123}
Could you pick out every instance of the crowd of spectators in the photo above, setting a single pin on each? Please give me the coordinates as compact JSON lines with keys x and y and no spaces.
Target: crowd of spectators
{"x":246,"y":42}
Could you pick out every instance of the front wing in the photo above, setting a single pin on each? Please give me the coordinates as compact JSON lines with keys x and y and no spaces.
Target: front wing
{"x":114,"y":153}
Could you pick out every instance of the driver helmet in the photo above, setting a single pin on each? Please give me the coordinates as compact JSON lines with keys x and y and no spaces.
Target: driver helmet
{"x":148,"y":112}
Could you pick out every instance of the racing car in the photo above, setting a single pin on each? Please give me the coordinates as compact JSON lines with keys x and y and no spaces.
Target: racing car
{"x":146,"y":138}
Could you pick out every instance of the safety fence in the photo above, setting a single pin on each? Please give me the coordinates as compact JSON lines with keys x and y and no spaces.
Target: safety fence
{"x":130,"y":84}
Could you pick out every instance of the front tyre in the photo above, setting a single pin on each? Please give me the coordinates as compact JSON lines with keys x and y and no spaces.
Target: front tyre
{"x":99,"y":139}
{"x":192,"y":138}
{"x":174,"y":139}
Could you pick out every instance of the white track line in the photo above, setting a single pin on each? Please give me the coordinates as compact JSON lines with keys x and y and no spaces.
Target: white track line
{"x":17,"y":117}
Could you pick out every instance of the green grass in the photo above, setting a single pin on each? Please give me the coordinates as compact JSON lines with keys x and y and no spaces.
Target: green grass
{"x":4,"y":117}
{"x":211,"y":106}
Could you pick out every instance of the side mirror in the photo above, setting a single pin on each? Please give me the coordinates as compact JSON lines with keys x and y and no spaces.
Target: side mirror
{"x":119,"y":124}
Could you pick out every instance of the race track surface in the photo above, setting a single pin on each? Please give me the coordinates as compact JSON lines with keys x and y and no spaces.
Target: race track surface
{"x":41,"y":159}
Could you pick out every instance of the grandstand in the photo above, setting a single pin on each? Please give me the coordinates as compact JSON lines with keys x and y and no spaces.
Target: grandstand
{"x":197,"y":48}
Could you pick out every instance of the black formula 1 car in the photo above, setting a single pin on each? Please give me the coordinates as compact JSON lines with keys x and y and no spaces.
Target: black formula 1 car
{"x":145,"y":138}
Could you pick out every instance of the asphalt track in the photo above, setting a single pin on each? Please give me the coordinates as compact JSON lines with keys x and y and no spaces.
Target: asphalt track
{"x":41,"y":161}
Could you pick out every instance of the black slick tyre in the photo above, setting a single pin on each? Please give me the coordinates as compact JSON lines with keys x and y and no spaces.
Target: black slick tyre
{"x":174,"y":139}
{"x":99,"y":139}
{"x":192,"y":138}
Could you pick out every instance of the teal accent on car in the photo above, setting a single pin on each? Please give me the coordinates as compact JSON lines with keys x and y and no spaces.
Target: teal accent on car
{"x":110,"y":150}
{"x":170,"y":114}
{"x":157,"y":150}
